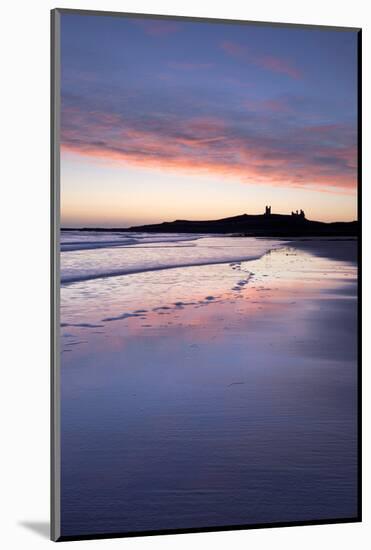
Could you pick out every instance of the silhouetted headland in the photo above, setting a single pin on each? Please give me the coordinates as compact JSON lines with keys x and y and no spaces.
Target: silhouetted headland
{"x":260,"y":225}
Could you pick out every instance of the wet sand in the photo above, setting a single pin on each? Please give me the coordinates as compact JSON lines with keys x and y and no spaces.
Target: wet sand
{"x":336,"y":248}
{"x":212,"y":395}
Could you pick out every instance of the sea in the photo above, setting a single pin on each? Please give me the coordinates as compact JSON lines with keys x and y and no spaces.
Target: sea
{"x":206,"y":381}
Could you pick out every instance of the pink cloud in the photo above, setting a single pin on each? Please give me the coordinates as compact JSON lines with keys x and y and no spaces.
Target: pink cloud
{"x":268,"y":62}
{"x":302,"y":158}
{"x":279,"y":66}
{"x":158,"y":28}
{"x":234,"y":49}
{"x":189,"y":66}
{"x":277,"y":106}
{"x":269,"y":105}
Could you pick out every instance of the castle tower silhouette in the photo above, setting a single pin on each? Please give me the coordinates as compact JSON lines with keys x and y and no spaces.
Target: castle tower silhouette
{"x":298,"y":214}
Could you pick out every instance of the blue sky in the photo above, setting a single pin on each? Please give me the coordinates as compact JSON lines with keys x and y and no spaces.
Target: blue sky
{"x":164,"y":119}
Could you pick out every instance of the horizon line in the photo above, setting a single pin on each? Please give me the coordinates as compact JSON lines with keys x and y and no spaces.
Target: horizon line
{"x":116,"y":227}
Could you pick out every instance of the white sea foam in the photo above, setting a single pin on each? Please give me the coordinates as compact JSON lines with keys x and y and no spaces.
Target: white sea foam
{"x":87,"y":240}
{"x":152,"y":253}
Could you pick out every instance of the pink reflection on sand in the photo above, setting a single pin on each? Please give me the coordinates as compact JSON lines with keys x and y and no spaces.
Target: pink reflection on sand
{"x":202,"y":305}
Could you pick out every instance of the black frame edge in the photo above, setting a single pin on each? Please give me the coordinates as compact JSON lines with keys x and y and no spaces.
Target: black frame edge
{"x":359,"y":270}
{"x":200,"y":19}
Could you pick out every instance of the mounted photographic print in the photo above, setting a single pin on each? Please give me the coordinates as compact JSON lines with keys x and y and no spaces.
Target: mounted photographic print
{"x":205,"y":304}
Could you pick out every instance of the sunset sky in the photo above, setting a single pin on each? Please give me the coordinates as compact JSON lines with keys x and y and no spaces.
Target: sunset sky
{"x":168,"y":119}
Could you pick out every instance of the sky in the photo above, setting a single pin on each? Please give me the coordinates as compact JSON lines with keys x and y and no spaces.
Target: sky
{"x":174,"y":119}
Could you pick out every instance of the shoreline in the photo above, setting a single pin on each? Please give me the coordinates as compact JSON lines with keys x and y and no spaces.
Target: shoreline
{"x":239,"y":390}
{"x":324,"y":248}
{"x":254,"y":225}
{"x":320,"y":246}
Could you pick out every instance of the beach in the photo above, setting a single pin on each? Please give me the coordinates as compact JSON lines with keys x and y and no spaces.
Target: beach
{"x":206,"y":381}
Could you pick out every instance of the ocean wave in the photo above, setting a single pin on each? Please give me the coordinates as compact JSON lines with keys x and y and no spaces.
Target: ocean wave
{"x":158,"y":252}
{"x":74,"y":240}
{"x":80,"y":277}
{"x":90,"y":245}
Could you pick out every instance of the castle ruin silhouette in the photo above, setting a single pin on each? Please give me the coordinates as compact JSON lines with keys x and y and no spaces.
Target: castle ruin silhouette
{"x":297,"y":214}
